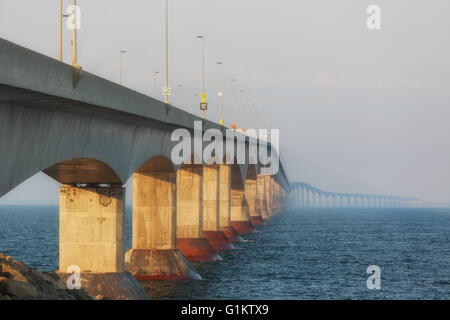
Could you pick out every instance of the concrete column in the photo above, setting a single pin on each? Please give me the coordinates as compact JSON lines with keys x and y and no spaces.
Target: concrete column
{"x":251,"y":194}
{"x":278,"y":196}
{"x":274,"y":196}
{"x":303,"y":197}
{"x":91,"y":239}
{"x":268,"y":196}
{"x":225,"y":204}
{"x":211,"y":204}
{"x":154,"y":255}
{"x":274,"y":193}
{"x":190,"y":238}
{"x":262,"y":196}
{"x":240,"y":213}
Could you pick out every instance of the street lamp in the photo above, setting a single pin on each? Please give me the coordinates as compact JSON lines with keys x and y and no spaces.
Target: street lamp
{"x":120,"y":67}
{"x":221,"y":92}
{"x":203,"y":102}
{"x":166,"y":90}
{"x":234,"y":125}
{"x":60,"y":28}
{"x":74,"y":34}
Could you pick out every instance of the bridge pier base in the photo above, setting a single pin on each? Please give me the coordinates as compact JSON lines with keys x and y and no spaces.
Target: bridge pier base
{"x":225,"y":205}
{"x":261,"y":189}
{"x":240,"y":214}
{"x":154,"y":255}
{"x":91,"y":241}
{"x":269,"y":195}
{"x":211,"y":217}
{"x":251,"y":194}
{"x":190,"y":239}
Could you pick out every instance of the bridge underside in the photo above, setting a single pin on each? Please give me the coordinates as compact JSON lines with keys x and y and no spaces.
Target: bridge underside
{"x":92,"y":135}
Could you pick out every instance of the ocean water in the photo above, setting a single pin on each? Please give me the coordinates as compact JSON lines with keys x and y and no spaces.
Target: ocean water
{"x":300,"y":254}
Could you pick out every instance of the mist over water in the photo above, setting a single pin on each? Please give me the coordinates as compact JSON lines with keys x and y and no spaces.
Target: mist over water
{"x":315,"y":253}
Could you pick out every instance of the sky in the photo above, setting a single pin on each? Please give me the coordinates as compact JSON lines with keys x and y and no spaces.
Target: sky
{"x":359,"y":110}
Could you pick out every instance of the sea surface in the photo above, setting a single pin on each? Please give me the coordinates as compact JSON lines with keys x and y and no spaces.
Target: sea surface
{"x":300,"y":254}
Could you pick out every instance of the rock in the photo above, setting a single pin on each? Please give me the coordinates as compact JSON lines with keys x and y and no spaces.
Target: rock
{"x":17,"y":289}
{"x":17,"y":281}
{"x":13,"y":274}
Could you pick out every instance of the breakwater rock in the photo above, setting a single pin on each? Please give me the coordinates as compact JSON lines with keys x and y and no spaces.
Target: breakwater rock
{"x":18,"y":281}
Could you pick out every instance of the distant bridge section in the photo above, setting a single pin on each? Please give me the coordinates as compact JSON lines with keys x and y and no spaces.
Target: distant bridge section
{"x":305,"y":195}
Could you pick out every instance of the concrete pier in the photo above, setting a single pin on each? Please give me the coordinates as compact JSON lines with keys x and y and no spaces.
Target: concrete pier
{"x":225,"y":204}
{"x":269,"y":195}
{"x":154,"y":255}
{"x":276,"y":195}
{"x":190,"y":238}
{"x":239,"y":211}
{"x":240,"y":214}
{"x":262,"y":197}
{"x":211,"y":204}
{"x":251,"y":194}
{"x":91,"y":240}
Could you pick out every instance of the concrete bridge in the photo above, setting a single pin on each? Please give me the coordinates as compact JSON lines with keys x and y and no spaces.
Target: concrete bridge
{"x":305,"y":195}
{"x":92,"y":135}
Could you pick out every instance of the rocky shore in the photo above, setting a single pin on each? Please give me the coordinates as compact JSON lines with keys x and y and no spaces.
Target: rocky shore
{"x":17,"y":281}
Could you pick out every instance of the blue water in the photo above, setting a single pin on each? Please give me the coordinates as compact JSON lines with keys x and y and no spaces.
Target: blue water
{"x":300,"y":254}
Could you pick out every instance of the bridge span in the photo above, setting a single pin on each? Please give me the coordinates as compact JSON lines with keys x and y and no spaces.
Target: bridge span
{"x":92,"y":135}
{"x":305,"y":195}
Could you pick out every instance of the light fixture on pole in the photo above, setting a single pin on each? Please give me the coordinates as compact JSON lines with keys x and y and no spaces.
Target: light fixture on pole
{"x":221,"y":92}
{"x":243,"y":108}
{"x":120,"y":67}
{"x":234,"y":125}
{"x":247,"y":111}
{"x":203,"y":101}
{"x":166,"y":89}
{"x":74,"y":34}
{"x":61,"y":16}
{"x":60,"y":29}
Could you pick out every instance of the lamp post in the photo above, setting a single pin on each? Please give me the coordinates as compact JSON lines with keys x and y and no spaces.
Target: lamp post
{"x":120,"y":67}
{"x":167,"y":90}
{"x":221,"y":92}
{"x":203,"y":102}
{"x":234,"y":125}
{"x":243,"y":108}
{"x":74,"y":34}
{"x":61,"y":16}
{"x":60,"y":29}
